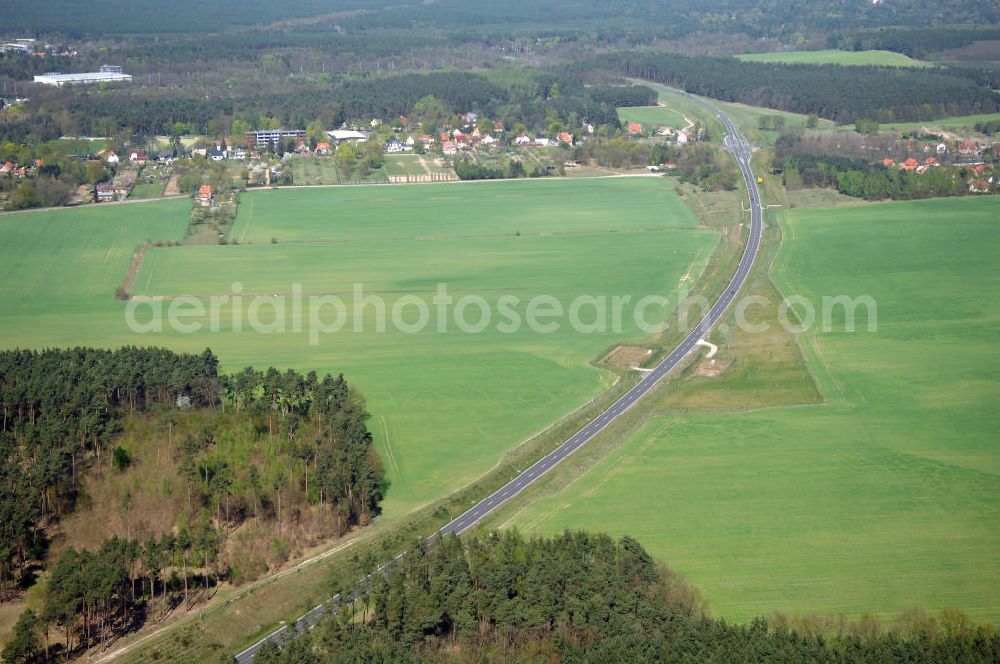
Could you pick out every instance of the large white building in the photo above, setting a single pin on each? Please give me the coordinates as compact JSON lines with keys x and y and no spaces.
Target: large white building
{"x":107,"y":74}
{"x":339,"y":136}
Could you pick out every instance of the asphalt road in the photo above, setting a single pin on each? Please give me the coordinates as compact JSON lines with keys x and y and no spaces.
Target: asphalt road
{"x":740,"y":150}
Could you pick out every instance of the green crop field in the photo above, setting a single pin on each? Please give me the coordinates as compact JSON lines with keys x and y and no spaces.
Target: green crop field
{"x":832,"y":56}
{"x":445,"y":405}
{"x":883,"y":497}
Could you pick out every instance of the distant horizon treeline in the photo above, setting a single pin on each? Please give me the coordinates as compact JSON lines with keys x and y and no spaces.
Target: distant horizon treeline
{"x":585,"y":598}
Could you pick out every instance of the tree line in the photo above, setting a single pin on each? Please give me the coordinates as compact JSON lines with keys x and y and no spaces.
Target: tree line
{"x":580,"y":597}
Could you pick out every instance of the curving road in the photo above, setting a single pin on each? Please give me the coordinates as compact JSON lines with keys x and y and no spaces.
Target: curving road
{"x":737,"y":146}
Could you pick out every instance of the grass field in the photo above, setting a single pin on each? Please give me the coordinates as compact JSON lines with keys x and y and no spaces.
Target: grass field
{"x":836,"y":57}
{"x":401,"y":165}
{"x":959,"y":122}
{"x":650,"y":116}
{"x":883,"y":497}
{"x":324,"y":171}
{"x":442,"y":403}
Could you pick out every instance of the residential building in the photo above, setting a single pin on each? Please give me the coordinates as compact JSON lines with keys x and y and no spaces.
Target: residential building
{"x":264,"y":137}
{"x":204,"y":197}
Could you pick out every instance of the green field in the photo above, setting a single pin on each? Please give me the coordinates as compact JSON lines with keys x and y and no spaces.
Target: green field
{"x":650,"y":116}
{"x":324,"y":171}
{"x":446,"y":405}
{"x":885,"y":496}
{"x":966,"y":122}
{"x":675,"y":104}
{"x":397,"y":165}
{"x":836,"y":57}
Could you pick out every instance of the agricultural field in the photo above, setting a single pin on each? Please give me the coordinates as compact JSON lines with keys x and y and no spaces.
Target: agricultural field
{"x":873,"y":487}
{"x":441,"y":402}
{"x":837,"y":57}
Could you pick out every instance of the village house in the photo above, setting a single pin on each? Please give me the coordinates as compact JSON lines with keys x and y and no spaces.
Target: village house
{"x":105,"y":192}
{"x":522,"y":139}
{"x":979,"y":186}
{"x":238,"y":153}
{"x":487,"y":139}
{"x":565,"y":137}
{"x":967,"y":148}
{"x":112,"y":158}
{"x":634,"y":128}
{"x":941,"y":148}
{"x":138,"y":156}
{"x":683,"y":137}
{"x":449,"y":148}
{"x":7,"y":168}
{"x":324,"y":149}
{"x":204,"y":197}
{"x":394,"y":145}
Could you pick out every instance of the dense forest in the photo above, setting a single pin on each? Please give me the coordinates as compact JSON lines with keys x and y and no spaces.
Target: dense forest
{"x":267,"y":454}
{"x":515,"y":17}
{"x":580,"y":598}
{"x":843,"y":94}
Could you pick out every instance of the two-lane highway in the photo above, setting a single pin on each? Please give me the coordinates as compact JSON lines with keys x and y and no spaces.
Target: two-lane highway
{"x":740,"y":150}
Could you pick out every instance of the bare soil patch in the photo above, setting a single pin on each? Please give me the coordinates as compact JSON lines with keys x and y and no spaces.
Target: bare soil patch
{"x":172,"y":189}
{"x":712,"y":368}
{"x":626,"y":357}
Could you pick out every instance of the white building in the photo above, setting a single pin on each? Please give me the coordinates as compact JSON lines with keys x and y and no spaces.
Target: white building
{"x":107,"y":74}
{"x":338,"y":136}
